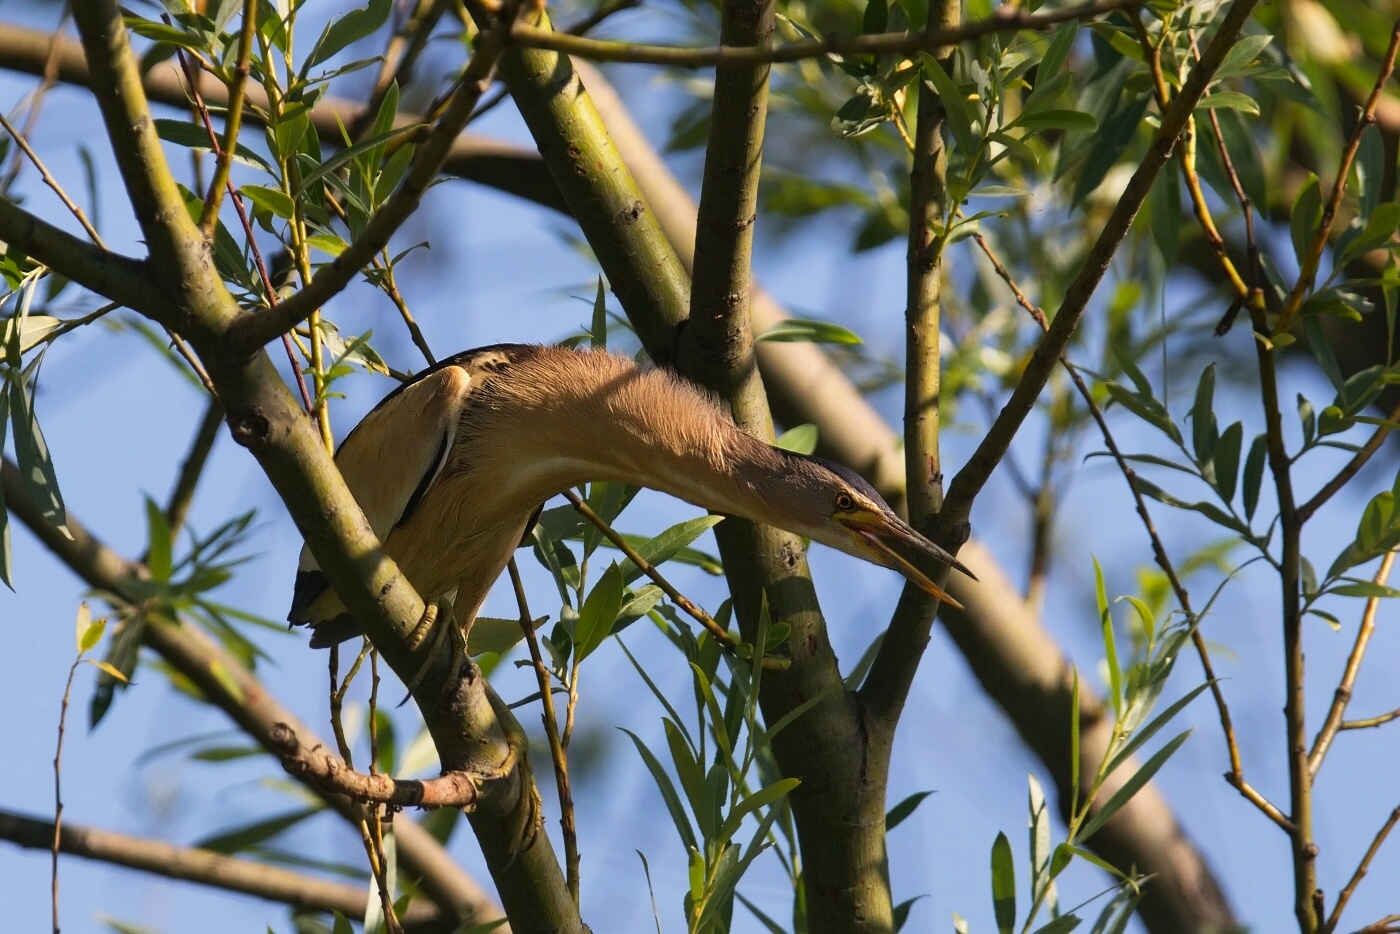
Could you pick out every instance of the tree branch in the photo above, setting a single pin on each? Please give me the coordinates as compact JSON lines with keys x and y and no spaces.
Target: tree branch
{"x":330,"y":774}
{"x":1007,"y":18}
{"x":205,"y":867}
{"x":118,"y":277}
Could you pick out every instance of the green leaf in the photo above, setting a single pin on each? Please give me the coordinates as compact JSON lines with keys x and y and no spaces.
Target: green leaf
{"x":1238,"y":59}
{"x":6,"y":553}
{"x":876,"y":18}
{"x":269,"y":199}
{"x":32,"y":452}
{"x":1368,"y":589}
{"x":184,"y":133}
{"x":1057,"y":52}
{"x":759,"y":799}
{"x":1232,"y":100}
{"x":32,"y":330}
{"x":1370,"y":170}
{"x":489,"y":634}
{"x":599,"y":612}
{"x":1164,"y":208}
{"x":1227,"y":460}
{"x":1124,"y":794}
{"x":801,"y":439}
{"x":954,"y":104}
{"x":1061,"y":925}
{"x":1057,"y":120}
{"x":1115,"y":674}
{"x":1306,"y":216}
{"x":904,"y":809}
{"x":598,"y":332}
{"x":158,"y":552}
{"x":1203,"y":429}
{"x":802,"y":330}
{"x":1107,"y":144}
{"x":335,"y":162}
{"x":901,"y":911}
{"x":89,"y":633}
{"x":1145,"y":408}
{"x":1003,"y":885}
{"x":668,"y":795}
{"x":1254,"y":473}
{"x":339,"y":33}
{"x":1211,"y":511}
{"x":240,"y":838}
{"x":665,"y":546}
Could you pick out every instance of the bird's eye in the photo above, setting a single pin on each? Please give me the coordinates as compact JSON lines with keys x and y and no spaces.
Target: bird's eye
{"x":844,"y":502}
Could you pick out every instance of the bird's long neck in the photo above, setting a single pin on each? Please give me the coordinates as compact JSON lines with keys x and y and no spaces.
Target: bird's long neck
{"x":570,"y":417}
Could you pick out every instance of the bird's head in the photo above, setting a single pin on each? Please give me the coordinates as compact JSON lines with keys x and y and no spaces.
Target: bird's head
{"x":832,"y":504}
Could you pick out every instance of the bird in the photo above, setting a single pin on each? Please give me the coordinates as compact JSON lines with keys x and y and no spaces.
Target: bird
{"x":452,"y":468}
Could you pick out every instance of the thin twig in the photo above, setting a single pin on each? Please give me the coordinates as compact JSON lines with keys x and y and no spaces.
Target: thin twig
{"x":906,"y":42}
{"x":223,"y":160}
{"x":595,"y":19}
{"x":1313,"y":256}
{"x":1345,"y":895}
{"x":1367,"y":723}
{"x":204,"y":867}
{"x":1352,"y":468}
{"x":401,"y":54}
{"x":193,"y":466}
{"x":57,"y":784}
{"x":376,"y":824}
{"x":970,"y":480}
{"x":52,"y":182}
{"x":1342,"y":696}
{"x":48,"y":78}
{"x":557,"y":752}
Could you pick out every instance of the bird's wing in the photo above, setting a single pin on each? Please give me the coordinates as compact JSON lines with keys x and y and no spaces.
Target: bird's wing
{"x":391,"y":459}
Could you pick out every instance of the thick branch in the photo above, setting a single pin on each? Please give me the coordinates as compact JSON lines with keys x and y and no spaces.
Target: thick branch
{"x":229,"y":686}
{"x":205,"y":867}
{"x":120,"y":278}
{"x":897,"y":662}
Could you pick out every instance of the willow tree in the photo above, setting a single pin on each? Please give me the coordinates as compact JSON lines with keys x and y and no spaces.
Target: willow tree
{"x":1057,"y":178}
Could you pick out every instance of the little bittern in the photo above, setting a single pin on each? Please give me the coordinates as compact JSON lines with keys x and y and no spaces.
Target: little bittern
{"x":451,"y":469}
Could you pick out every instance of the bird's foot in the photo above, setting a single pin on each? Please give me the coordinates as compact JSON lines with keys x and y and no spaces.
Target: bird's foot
{"x":428,"y":625}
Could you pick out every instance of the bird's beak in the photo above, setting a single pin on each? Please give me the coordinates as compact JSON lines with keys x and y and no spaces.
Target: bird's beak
{"x":876,"y":537}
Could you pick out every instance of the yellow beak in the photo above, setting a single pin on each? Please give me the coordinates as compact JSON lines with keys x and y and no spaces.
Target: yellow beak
{"x":875,"y":533}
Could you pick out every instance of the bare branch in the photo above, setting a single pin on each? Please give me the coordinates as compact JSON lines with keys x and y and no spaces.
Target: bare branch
{"x":1360,"y":873}
{"x":202,"y":866}
{"x":329,"y":773}
{"x":1007,"y":18}
{"x":1342,"y":696}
